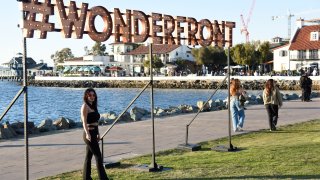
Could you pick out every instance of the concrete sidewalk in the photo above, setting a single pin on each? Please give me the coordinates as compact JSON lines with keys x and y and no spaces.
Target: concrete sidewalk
{"x":62,"y":152}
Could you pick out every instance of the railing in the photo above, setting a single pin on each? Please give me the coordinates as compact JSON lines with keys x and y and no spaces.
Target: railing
{"x":298,"y":57}
{"x":304,"y":57}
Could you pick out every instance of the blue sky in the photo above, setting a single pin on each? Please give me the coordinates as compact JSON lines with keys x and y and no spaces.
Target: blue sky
{"x":261,"y":26}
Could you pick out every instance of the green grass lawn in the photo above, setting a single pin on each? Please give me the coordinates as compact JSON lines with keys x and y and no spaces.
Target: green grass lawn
{"x":291,"y":152}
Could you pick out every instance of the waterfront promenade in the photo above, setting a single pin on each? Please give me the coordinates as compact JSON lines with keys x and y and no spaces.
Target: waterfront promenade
{"x":61,"y":152}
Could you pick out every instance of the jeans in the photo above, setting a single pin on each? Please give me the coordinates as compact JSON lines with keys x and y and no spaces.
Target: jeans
{"x":241,"y":118}
{"x":237,"y":113}
{"x":93,"y":149}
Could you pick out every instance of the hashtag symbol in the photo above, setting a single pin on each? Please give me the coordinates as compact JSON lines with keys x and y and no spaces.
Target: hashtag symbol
{"x":30,"y":23}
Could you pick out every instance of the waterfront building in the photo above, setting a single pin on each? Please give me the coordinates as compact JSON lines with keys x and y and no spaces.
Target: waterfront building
{"x":14,"y":67}
{"x":168,"y":54}
{"x":302,"y":52}
{"x":125,"y":59}
{"x":87,"y":65}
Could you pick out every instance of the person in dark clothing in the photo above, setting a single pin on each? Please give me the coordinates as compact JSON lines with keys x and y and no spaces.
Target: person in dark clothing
{"x":272,"y":100}
{"x":90,"y":117}
{"x":303,"y":85}
{"x":308,"y":88}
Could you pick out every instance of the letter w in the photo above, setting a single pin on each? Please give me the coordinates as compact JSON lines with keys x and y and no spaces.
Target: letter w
{"x":67,"y":22}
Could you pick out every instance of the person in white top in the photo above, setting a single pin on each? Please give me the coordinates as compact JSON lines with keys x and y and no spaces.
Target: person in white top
{"x":314,"y":72}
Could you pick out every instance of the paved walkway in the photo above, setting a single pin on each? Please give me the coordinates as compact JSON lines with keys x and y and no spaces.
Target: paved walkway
{"x":61,"y":152}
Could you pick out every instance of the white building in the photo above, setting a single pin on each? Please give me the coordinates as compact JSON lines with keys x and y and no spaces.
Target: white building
{"x":118,"y":50}
{"x":303,"y":51}
{"x":281,"y":58}
{"x":125,"y":58}
{"x":88,"y":64}
{"x":167,"y":53}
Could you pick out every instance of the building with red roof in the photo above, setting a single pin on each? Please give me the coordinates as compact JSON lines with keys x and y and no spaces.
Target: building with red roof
{"x":303,"y":51}
{"x":131,"y":57}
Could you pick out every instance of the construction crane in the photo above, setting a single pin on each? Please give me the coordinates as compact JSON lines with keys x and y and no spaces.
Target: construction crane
{"x":244,"y":29}
{"x":290,"y":15}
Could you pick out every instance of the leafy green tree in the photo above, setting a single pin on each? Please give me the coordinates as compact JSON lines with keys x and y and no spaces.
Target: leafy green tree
{"x":61,"y":56}
{"x":265,"y":54}
{"x":244,"y":54}
{"x":210,"y":56}
{"x":98,"y":49}
{"x":157,"y":63}
{"x":185,"y":65}
{"x":218,"y":56}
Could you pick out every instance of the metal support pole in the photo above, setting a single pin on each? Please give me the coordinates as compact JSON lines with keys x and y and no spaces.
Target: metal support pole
{"x":153,"y":165}
{"x":25,"y":85}
{"x":111,"y":126}
{"x":230,"y":146}
{"x":12,"y":103}
{"x":229,"y":113}
{"x":133,"y":100}
{"x":187,"y":133}
{"x":201,"y":109}
{"x":102,"y":152}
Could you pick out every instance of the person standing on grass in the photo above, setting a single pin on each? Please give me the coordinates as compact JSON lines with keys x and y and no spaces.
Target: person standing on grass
{"x":90,"y":117}
{"x":237,"y":112}
{"x":272,"y":100}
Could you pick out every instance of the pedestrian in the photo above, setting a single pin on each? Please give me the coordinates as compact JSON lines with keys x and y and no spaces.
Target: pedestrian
{"x":303,"y":86}
{"x":314,"y":72}
{"x":243,"y":98}
{"x":308,"y":88}
{"x":237,"y":112}
{"x":90,"y":117}
{"x":273,"y":101}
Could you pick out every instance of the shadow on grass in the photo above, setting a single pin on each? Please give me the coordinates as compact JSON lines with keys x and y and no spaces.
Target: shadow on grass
{"x":210,"y":149}
{"x":294,"y":131}
{"x":316,"y":176}
{"x":125,"y":166}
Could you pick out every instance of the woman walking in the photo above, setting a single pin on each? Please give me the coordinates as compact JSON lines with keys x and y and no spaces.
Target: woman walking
{"x":272,"y":100}
{"x":237,"y":111}
{"x":90,"y":117}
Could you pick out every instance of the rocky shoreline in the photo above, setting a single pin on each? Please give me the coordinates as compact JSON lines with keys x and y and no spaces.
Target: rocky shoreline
{"x":169,"y":84}
{"x":16,"y":129}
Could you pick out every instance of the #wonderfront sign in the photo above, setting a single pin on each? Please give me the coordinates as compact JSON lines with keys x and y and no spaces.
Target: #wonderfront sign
{"x":133,"y":26}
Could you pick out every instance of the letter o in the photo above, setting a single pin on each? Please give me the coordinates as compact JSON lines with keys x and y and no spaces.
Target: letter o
{"x":106,"y":17}
{"x":205,"y":23}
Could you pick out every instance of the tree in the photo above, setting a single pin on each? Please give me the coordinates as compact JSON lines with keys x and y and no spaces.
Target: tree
{"x":185,"y":65}
{"x":98,"y":49}
{"x":264,"y":52}
{"x":244,"y":54}
{"x":61,"y":56}
{"x":218,"y":56}
{"x":210,"y":56}
{"x":156,"y":64}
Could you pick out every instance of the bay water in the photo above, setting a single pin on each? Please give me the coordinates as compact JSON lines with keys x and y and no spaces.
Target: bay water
{"x":55,"y":102}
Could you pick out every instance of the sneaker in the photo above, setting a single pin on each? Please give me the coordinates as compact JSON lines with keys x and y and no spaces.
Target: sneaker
{"x":239,"y":128}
